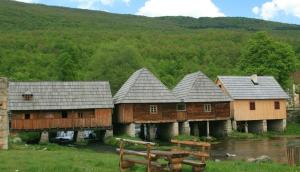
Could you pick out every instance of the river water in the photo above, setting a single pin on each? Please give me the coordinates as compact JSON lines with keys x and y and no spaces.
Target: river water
{"x":275,"y":148}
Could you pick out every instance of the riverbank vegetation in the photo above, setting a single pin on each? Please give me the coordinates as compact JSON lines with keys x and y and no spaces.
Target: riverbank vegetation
{"x":292,"y":130}
{"x":51,"y":157}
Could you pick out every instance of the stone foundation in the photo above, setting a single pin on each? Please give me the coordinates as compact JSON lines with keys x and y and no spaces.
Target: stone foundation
{"x":220,"y":128}
{"x":234,"y":125}
{"x":184,"y":128}
{"x":4,"y":127}
{"x":257,"y":126}
{"x":44,"y":137}
{"x":108,"y":133}
{"x":151,"y":132}
{"x":80,"y":136}
{"x":276,"y":125}
{"x":128,"y":129}
{"x":195,"y":128}
{"x":168,"y":130}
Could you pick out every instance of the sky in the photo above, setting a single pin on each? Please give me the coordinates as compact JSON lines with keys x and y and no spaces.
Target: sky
{"x":287,"y":11}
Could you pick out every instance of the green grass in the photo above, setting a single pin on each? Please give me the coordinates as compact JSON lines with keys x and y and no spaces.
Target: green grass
{"x":292,"y":129}
{"x":55,"y":158}
{"x":52,"y":157}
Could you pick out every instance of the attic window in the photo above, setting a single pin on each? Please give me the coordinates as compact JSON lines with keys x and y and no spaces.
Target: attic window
{"x":27,"y":95}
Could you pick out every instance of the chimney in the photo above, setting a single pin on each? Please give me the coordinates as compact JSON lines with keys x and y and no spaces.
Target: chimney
{"x":254,"y":79}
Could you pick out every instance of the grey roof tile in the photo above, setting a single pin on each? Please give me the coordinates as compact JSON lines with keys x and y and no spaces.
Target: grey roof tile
{"x":242,"y":87}
{"x":60,"y":95}
{"x":144,"y":87}
{"x":197,"y":87}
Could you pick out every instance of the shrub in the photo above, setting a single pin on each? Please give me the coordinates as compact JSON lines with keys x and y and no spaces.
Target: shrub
{"x":30,"y":137}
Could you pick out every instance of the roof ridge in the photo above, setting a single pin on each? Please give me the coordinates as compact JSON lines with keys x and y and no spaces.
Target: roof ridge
{"x":194,"y":82}
{"x":130,"y":86}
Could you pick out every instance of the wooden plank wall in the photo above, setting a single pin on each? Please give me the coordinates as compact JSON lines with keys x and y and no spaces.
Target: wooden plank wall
{"x":218,"y":110}
{"x":264,"y":109}
{"x":128,"y":113}
{"x":92,"y":118}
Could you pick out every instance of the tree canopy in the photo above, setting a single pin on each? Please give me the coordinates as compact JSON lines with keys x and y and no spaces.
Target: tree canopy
{"x":263,"y":55}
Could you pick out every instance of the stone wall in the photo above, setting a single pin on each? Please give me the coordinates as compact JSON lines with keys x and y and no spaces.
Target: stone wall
{"x":276,"y":125}
{"x":4,"y":127}
{"x":257,"y":126}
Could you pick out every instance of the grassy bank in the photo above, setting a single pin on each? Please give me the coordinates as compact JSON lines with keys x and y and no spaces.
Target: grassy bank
{"x":48,"y":158}
{"x":292,"y":129}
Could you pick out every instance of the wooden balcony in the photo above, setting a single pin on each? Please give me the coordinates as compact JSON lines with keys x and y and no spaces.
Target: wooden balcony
{"x":59,"y":123}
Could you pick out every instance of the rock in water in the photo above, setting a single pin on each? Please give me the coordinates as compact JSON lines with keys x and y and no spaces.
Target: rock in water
{"x":251,"y":160}
{"x":230,"y":155}
{"x":263,"y":158}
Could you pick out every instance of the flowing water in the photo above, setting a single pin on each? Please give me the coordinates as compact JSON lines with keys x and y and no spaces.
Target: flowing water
{"x":275,"y":148}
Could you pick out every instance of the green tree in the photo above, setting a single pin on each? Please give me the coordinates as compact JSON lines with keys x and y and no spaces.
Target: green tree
{"x":113,"y":62}
{"x":265,"y":56}
{"x":66,"y":67}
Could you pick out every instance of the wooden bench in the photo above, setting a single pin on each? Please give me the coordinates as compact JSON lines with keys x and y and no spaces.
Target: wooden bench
{"x":129,"y":158}
{"x":198,"y":153}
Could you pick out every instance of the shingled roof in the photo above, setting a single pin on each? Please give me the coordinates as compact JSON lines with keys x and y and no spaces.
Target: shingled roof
{"x":242,"y":87}
{"x":60,"y":95}
{"x":144,"y":87}
{"x":197,"y":87}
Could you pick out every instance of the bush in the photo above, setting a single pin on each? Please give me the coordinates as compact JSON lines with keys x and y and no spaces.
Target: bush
{"x":112,"y":141}
{"x":30,"y":137}
{"x":186,"y":137}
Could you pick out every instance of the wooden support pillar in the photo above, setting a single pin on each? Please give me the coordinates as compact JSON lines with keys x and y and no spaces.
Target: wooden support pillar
{"x":207,"y":129}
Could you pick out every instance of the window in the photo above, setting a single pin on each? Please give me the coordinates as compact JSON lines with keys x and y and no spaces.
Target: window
{"x":64,"y":114}
{"x":252,"y":105}
{"x":27,"y":115}
{"x":207,"y":107}
{"x":276,"y":105}
{"x":181,"y":107}
{"x":80,"y":115}
{"x":153,"y":109}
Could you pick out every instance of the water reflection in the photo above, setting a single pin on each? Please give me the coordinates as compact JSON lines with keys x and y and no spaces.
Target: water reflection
{"x":275,"y":148}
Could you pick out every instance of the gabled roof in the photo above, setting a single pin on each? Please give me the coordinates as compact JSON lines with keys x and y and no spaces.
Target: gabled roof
{"x":144,"y":87}
{"x":60,"y":95}
{"x":242,"y":87}
{"x":197,"y":87}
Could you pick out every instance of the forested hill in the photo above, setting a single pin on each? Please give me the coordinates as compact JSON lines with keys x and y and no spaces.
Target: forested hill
{"x":39,"y":42}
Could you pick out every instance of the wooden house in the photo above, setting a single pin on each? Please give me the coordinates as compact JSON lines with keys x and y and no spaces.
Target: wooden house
{"x":202,"y":105}
{"x":43,"y":106}
{"x":145,"y":103}
{"x":259,"y":102}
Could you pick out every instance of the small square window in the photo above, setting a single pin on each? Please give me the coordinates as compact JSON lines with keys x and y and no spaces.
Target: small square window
{"x":181,"y":107}
{"x":153,"y":109}
{"x":80,"y":115}
{"x":64,"y":114}
{"x":252,"y":105}
{"x":27,"y":115}
{"x":277,"y":105}
{"x":207,"y":107}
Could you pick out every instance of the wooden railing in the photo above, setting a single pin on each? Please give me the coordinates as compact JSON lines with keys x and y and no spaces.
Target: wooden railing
{"x":36,"y":124}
